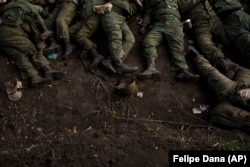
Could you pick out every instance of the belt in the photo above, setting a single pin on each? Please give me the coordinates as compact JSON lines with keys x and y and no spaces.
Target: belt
{"x":224,"y":14}
{"x":164,"y":16}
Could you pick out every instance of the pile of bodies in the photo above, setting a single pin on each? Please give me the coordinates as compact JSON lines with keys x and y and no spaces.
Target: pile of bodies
{"x":33,"y":29}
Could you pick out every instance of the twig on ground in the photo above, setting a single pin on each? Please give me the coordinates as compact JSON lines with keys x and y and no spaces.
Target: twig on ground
{"x":162,"y":121}
{"x":41,"y":94}
{"x":108,"y":94}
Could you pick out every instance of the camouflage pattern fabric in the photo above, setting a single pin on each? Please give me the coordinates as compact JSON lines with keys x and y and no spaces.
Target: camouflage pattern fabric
{"x":223,"y":86}
{"x":84,"y":29}
{"x":237,"y":25}
{"x":207,"y":27}
{"x":15,"y":43}
{"x":168,"y":27}
{"x":121,"y":39}
{"x":60,"y":18}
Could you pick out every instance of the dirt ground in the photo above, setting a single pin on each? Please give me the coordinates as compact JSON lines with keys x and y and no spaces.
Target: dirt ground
{"x":81,"y":121}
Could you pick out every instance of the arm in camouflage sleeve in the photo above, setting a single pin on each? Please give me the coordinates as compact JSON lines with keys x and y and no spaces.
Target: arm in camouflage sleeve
{"x":147,"y":15}
{"x":186,"y":5}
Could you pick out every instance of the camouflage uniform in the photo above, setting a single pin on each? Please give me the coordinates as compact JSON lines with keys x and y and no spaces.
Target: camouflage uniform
{"x":236,"y":23}
{"x":121,"y":39}
{"x":166,"y":24}
{"x":61,"y":17}
{"x":206,"y":27}
{"x":17,"y":27}
{"x":85,"y":28}
{"x":166,"y":20}
{"x":224,"y":87}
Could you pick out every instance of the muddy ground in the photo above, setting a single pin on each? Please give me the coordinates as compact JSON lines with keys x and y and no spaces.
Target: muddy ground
{"x":81,"y":121}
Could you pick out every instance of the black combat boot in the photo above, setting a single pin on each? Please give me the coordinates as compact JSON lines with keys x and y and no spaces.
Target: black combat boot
{"x":228,"y":67}
{"x":150,"y":71}
{"x":68,"y":47}
{"x":97,"y":58}
{"x":49,"y":73}
{"x":107,"y":63}
{"x":185,"y":75}
{"x":36,"y":81}
{"x":123,"y":68}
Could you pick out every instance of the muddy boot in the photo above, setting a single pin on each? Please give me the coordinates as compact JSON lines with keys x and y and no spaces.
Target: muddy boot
{"x":185,"y":75}
{"x":107,"y":63}
{"x":150,"y":71}
{"x":228,"y":67}
{"x":68,"y":47}
{"x":97,"y":58}
{"x":122,"y":68}
{"x":49,"y":73}
{"x":36,"y":81}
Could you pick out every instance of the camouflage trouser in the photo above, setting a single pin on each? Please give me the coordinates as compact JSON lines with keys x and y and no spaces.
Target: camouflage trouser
{"x":83,"y":30}
{"x":172,"y":31}
{"x":121,"y":39}
{"x":60,"y":19}
{"x":15,"y":43}
{"x":205,"y":31}
{"x":222,"y":85}
{"x":237,"y":27}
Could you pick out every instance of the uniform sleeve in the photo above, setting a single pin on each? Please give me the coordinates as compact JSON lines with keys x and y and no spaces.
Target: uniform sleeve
{"x":133,"y":8}
{"x":147,"y":15}
{"x":186,"y":5}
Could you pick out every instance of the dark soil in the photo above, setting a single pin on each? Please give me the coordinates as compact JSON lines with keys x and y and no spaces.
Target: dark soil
{"x":81,"y":121}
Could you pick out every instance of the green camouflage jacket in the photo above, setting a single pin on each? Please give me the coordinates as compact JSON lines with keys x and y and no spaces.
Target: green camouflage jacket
{"x":15,"y":13}
{"x":127,"y":5}
{"x":155,"y":8}
{"x":87,"y":7}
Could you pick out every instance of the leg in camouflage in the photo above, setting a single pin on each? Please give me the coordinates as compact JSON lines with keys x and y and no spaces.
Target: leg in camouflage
{"x":223,"y":86}
{"x":63,"y":20}
{"x":121,"y":40}
{"x":88,"y":28}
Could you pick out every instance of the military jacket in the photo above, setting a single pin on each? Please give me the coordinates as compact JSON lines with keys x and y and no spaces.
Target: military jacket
{"x":201,"y":11}
{"x":128,"y":5}
{"x":87,"y":7}
{"x":221,"y":6}
{"x":155,"y":8}
{"x":186,"y":5}
{"x":14,"y":13}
